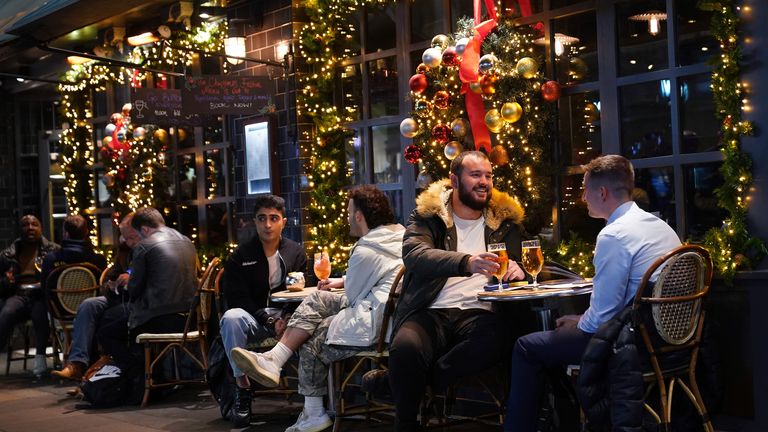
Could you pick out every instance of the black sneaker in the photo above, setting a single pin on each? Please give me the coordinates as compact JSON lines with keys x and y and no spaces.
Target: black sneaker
{"x":240,"y":416}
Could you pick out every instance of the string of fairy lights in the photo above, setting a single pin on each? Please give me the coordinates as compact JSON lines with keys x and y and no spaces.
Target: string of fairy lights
{"x":731,"y":246}
{"x":134,"y":161}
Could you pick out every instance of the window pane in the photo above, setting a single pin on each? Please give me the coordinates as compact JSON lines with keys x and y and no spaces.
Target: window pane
{"x":188,"y":221}
{"x":426,"y":19}
{"x":697,"y":115}
{"x":212,"y":134}
{"x":460,"y":9}
{"x":655,"y":192}
{"x":355,"y":158}
{"x":185,"y":136}
{"x":512,"y":5}
{"x":574,"y":217}
{"x":580,"y":139}
{"x":187,"y":177}
{"x":396,"y":201}
{"x":349,"y":91}
{"x":386,"y":154}
{"x":217,"y":218}
{"x":642,"y":36}
{"x":380,"y":34}
{"x":701,"y":208}
{"x":106,"y":231}
{"x":695,"y":41}
{"x":350,"y":44}
{"x":382,"y":87}
{"x":215,"y":180}
{"x":645,"y":120}
{"x":576,"y":48}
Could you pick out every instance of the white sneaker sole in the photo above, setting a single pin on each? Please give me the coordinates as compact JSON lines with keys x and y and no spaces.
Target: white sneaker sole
{"x":317,"y":428}
{"x":245,"y":361}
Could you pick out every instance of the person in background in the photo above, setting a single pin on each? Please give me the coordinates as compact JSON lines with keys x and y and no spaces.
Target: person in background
{"x":95,"y":311}
{"x":20,"y":290}
{"x":254,"y":270}
{"x":161,"y":286}
{"x":328,"y":327}
{"x":442,"y":332}
{"x":626,"y":247}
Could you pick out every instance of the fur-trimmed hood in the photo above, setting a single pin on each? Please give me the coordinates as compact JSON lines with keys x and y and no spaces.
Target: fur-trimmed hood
{"x":436,"y":201}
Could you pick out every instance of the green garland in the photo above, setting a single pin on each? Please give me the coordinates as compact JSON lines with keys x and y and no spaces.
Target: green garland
{"x":731,"y":246}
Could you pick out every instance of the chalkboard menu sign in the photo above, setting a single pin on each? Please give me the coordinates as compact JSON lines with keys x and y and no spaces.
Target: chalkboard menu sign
{"x":161,"y":107}
{"x":221,"y":94}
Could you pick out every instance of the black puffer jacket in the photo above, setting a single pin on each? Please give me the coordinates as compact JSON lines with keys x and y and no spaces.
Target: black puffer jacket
{"x":610,"y":385}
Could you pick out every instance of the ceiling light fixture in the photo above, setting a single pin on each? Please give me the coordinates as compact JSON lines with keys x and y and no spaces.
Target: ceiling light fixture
{"x":142,"y":39}
{"x":653,"y":18}
{"x":561,"y":41}
{"x":77,"y":60}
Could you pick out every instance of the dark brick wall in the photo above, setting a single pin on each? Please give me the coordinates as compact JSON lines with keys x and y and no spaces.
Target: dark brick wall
{"x":273,"y":26}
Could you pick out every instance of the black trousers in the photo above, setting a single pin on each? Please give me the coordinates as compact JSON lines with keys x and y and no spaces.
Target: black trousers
{"x":19,"y":308}
{"x":118,"y":341}
{"x":437,"y":347}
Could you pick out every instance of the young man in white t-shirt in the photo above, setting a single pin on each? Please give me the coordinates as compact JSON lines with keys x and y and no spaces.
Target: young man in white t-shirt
{"x":253,"y":271}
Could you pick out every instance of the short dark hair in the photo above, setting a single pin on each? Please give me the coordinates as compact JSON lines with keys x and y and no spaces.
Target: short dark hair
{"x":269,"y":201}
{"x":612,"y":171}
{"x":147,"y":216}
{"x":457,"y":164}
{"x":374,"y":204}
{"x":76,"y":227}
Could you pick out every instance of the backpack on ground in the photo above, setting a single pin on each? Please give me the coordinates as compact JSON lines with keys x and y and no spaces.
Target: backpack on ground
{"x":110,"y":385}
{"x":220,"y":379}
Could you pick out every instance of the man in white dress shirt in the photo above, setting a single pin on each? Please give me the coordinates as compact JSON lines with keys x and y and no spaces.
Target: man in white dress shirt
{"x":630,"y":242}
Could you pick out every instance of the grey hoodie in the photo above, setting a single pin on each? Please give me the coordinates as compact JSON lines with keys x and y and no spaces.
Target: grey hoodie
{"x":373,"y":265}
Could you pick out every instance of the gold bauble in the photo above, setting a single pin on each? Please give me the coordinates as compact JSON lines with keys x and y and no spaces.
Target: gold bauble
{"x":494,"y":121}
{"x":511,"y":111}
{"x":499,"y":155}
{"x":527,"y":67}
{"x":476,"y":87}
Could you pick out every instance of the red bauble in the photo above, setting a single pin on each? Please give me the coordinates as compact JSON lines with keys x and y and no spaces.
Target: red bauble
{"x":441,"y":99}
{"x":450,"y":58}
{"x":412,"y":154}
{"x":488,"y":84}
{"x":441,"y":133}
{"x":499,"y":155}
{"x":418,"y":83}
{"x":120,"y":175}
{"x":104,"y":153}
{"x":550,"y":91}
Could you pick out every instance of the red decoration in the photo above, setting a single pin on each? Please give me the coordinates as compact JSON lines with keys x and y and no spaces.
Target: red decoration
{"x":418,"y":83}
{"x":120,"y":175}
{"x":550,"y":91}
{"x":499,"y":155}
{"x":488,"y":84}
{"x":441,"y":133}
{"x":441,"y":99}
{"x":450,"y":58}
{"x":412,"y":154}
{"x":422,"y":68}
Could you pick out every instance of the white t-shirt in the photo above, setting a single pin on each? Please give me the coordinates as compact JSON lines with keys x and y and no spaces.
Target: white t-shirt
{"x":275,"y":272}
{"x":461,"y":292}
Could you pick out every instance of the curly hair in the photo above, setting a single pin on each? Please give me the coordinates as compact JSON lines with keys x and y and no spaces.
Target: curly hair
{"x":374,"y":204}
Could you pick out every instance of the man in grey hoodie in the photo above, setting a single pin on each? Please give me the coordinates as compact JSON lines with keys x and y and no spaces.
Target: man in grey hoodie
{"x":327,"y":326}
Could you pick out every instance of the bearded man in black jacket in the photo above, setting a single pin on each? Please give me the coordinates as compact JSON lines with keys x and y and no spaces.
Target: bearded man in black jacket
{"x":256,"y":269}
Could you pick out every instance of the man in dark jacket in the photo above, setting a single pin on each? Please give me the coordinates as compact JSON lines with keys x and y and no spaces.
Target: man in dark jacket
{"x":256,"y":268}
{"x":442,"y":332}
{"x":162,"y":283}
{"x":21,"y":297}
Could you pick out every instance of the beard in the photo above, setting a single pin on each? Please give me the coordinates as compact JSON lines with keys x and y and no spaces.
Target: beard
{"x":466,"y":197}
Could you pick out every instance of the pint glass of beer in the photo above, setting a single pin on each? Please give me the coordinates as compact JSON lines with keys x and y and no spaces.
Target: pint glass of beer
{"x":500,"y":249}
{"x":533,"y":259}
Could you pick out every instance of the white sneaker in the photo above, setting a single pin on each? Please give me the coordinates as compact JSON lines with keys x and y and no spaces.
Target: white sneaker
{"x":39,"y":366}
{"x":258,"y":366}
{"x":305,"y":423}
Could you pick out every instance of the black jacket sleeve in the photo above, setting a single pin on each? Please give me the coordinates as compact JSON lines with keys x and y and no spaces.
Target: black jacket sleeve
{"x":237,"y":285}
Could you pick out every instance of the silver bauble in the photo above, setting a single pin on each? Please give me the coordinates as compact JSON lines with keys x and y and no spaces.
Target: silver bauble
{"x":459,"y":127}
{"x":409,"y":128}
{"x":432,"y":57}
{"x":461,"y":45}
{"x":487,"y":63}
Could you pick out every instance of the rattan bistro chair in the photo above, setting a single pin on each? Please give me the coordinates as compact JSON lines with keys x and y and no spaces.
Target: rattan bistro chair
{"x":342,"y":373}
{"x":193,"y":341}
{"x":67,"y":287}
{"x":669,"y":315}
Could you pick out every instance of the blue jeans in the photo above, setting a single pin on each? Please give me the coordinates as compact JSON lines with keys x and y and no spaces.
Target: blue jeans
{"x":84,"y":328}
{"x":238,"y":329}
{"x":533,"y":354}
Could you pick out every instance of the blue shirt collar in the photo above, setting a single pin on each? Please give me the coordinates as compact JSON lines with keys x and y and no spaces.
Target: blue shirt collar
{"x":620,"y":211}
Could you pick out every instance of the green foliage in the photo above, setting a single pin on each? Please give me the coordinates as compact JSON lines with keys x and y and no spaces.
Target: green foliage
{"x":574,"y":253}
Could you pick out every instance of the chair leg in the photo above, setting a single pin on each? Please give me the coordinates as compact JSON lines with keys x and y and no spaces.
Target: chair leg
{"x":147,"y":374}
{"x":698,"y":402}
